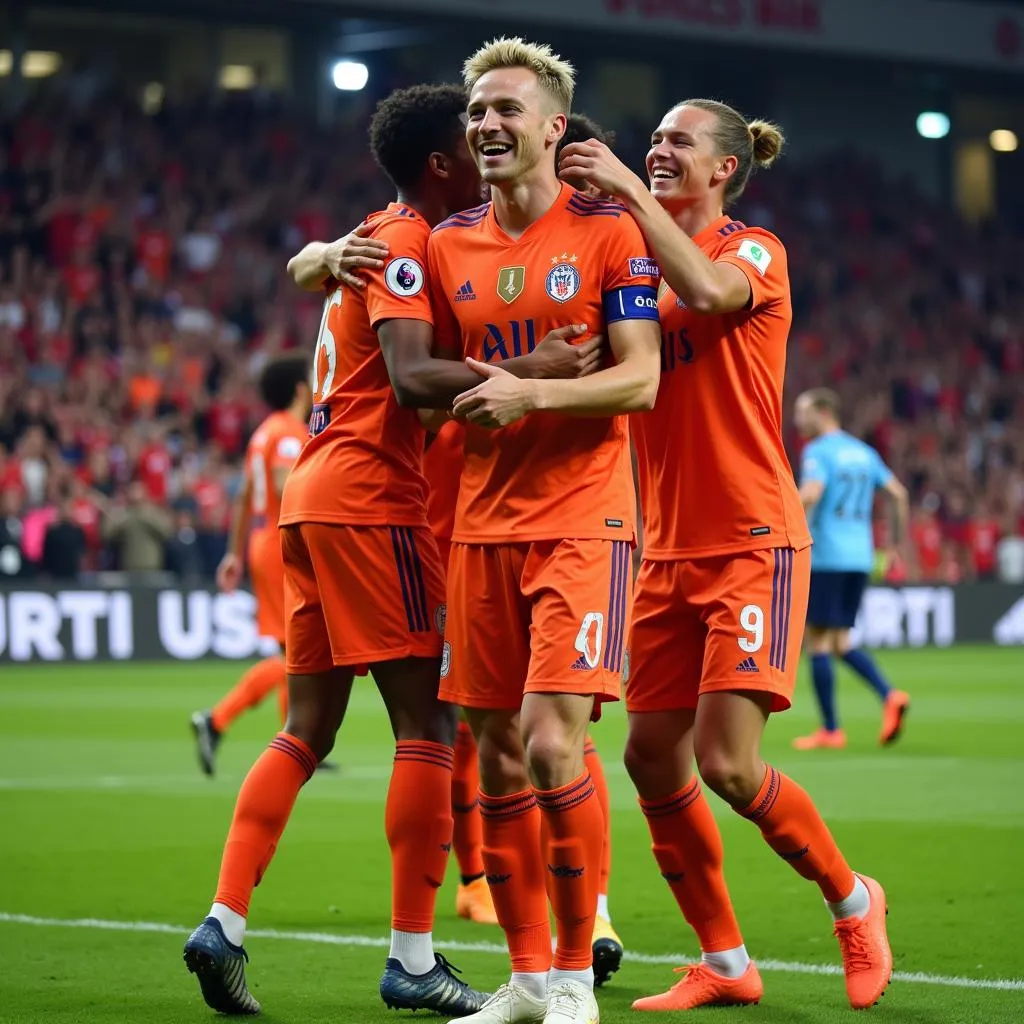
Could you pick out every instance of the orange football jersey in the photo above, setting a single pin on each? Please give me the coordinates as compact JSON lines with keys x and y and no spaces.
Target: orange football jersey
{"x":549,"y":476}
{"x":442,"y":466}
{"x":714,"y":475}
{"x":275,"y":445}
{"x":362,"y":464}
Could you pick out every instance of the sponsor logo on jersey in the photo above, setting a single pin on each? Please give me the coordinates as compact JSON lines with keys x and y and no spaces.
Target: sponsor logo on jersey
{"x":643,"y":266}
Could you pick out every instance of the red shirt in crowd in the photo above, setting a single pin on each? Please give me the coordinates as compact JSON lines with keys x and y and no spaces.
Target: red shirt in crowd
{"x":154,"y":253}
{"x":926,"y":535}
{"x":982,"y":537}
{"x":82,"y":281}
{"x":154,"y":467}
{"x":212,"y":503}
{"x":227,"y":426}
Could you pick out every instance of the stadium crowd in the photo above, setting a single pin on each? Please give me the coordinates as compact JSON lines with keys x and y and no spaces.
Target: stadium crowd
{"x":142,"y":288}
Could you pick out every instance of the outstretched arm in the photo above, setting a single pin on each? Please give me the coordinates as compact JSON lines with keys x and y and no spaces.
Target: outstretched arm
{"x":318,"y":262}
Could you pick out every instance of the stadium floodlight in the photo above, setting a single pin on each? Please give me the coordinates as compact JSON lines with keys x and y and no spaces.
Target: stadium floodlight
{"x":932,"y":125}
{"x":350,"y":75}
{"x":1002,"y":140}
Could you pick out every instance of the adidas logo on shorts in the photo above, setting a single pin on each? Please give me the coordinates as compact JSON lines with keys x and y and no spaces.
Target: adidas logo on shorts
{"x":747,"y":665}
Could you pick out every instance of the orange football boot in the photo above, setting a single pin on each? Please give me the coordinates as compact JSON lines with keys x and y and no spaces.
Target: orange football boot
{"x":830,"y":739}
{"x":702,"y":986}
{"x":895,"y":709}
{"x":474,"y":903}
{"x":867,"y":958}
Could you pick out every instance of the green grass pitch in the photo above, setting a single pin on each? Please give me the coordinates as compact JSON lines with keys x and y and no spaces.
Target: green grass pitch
{"x":104,"y":816}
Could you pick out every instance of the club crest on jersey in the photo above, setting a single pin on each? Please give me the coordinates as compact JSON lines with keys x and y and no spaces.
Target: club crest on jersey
{"x":441,"y":618}
{"x":563,"y":280}
{"x":511,"y":282}
{"x":404,"y":276}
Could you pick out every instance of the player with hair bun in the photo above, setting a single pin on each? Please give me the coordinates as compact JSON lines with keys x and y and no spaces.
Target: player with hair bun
{"x":722,"y":592}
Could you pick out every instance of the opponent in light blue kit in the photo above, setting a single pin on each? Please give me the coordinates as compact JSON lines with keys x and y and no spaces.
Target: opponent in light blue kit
{"x":838,"y":479}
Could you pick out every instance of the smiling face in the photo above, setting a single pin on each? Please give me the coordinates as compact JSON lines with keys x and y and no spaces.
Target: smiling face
{"x":683,"y":163}
{"x":513,"y":124}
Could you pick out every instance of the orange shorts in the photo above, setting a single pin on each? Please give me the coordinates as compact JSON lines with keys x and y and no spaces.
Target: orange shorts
{"x":356,"y":595}
{"x":728,"y":623}
{"x":540,"y":617}
{"x":266,"y":570}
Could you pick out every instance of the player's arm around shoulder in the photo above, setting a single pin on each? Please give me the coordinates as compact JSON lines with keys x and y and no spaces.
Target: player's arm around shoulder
{"x":317,"y":264}
{"x":706,"y":286}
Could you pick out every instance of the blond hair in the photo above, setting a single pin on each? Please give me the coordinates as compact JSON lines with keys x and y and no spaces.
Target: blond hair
{"x":557,"y":77}
{"x":753,"y":143}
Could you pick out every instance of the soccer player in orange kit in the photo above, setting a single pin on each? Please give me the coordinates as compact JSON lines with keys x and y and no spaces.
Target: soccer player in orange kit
{"x":539,"y":582}
{"x":442,"y":466}
{"x":284,"y":387}
{"x":363,"y":580}
{"x":722,"y":592}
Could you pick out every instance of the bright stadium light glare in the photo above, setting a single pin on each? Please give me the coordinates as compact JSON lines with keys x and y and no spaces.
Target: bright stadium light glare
{"x":350,"y":75}
{"x":1002,"y":140}
{"x":932,"y":125}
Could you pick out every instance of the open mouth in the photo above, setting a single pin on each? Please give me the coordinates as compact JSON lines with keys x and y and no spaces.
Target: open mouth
{"x":663,"y":174}
{"x":494,"y":151}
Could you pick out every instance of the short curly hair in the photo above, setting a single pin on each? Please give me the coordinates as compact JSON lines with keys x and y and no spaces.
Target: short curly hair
{"x":281,"y":377}
{"x":412,"y":123}
{"x":579,"y":128}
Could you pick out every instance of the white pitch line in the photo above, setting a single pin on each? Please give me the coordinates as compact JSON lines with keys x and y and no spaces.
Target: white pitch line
{"x":328,"y":939}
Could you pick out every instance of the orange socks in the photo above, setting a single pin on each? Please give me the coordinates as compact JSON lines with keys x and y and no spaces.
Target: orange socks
{"x":418,"y":823}
{"x":515,"y":875}
{"x":264,"y":804}
{"x":467,"y":837}
{"x":688,"y":848}
{"x":574,"y":829}
{"x":249,"y":691}
{"x":596,"y":769}
{"x":792,"y":827}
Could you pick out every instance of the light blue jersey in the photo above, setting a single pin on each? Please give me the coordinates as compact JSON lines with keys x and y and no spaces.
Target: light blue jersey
{"x":841,"y":521}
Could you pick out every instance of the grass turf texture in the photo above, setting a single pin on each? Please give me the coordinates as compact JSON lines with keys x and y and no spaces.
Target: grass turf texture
{"x":104,"y":815}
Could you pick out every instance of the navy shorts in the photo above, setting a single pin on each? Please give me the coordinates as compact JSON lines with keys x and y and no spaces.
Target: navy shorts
{"x":835,"y":598}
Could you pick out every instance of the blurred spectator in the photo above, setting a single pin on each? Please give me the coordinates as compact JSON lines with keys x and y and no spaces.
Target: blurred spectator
{"x":184,"y":555}
{"x":12,"y":563}
{"x":138,"y":531}
{"x":1010,"y":557}
{"x":64,"y":544}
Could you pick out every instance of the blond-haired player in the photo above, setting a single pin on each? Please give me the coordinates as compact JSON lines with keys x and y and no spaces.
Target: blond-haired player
{"x":539,"y":582}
